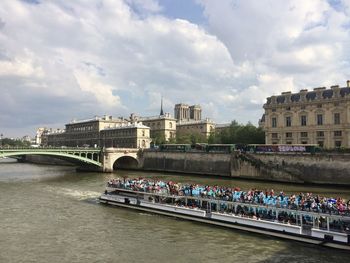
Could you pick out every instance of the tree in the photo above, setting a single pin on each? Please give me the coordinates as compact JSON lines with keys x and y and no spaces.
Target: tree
{"x":158,"y":138}
{"x":183,"y":138}
{"x":239,"y":133}
{"x":6,"y":142}
{"x":198,"y":138}
{"x":214,"y":138}
{"x":190,"y":138}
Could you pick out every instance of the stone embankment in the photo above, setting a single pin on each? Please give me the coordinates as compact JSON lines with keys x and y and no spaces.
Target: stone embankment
{"x":319,"y":168}
{"x":295,"y":168}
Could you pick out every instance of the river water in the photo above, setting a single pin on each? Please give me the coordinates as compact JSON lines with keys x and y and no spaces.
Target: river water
{"x":51,"y":214}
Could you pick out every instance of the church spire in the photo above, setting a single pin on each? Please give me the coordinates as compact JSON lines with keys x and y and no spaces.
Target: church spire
{"x":161,"y":107}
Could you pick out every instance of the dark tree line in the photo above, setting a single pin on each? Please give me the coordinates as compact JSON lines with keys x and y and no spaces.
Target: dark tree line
{"x":239,"y":133}
{"x":7,"y":142}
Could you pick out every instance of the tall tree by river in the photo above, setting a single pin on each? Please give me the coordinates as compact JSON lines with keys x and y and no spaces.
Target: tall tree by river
{"x":239,"y":133}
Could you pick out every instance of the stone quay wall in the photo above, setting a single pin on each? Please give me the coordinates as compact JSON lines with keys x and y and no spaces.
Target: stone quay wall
{"x":294,"y":168}
{"x":187,"y":162}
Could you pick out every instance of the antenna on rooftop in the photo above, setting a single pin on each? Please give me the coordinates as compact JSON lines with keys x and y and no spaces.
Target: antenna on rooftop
{"x":161,"y":107}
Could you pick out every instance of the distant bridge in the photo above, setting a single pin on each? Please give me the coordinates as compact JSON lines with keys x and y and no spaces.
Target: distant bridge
{"x":82,"y":155}
{"x":106,"y":159}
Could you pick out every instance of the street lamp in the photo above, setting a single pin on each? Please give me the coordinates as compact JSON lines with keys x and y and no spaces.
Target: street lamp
{"x":1,"y":135}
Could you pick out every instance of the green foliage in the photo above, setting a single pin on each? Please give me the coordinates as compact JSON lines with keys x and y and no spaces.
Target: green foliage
{"x":239,"y":133}
{"x":172,"y":140}
{"x":191,"y":138}
{"x":158,"y":138}
{"x":212,"y":138}
{"x":6,"y":142}
{"x":183,"y":138}
{"x":235,"y":133}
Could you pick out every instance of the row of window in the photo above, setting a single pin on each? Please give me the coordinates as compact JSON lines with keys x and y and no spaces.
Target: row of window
{"x":194,"y":127}
{"x":303,"y":120}
{"x":303,"y":107}
{"x":80,"y":129}
{"x":71,"y":136}
{"x":126,"y":132}
{"x":305,"y":134}
{"x":152,"y":124}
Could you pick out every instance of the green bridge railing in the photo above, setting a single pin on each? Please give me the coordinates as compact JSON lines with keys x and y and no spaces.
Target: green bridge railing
{"x":83,"y":155}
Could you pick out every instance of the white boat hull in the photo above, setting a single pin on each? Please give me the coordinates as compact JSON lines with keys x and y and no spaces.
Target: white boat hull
{"x":271,"y":228}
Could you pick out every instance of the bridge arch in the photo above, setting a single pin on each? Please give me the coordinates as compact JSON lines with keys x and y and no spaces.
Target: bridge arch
{"x":70,"y":156}
{"x":125,"y":162}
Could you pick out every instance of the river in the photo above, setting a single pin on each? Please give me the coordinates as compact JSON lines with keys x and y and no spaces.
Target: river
{"x":51,"y":214}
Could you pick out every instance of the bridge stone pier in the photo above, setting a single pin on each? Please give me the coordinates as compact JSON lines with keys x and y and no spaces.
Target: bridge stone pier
{"x":120,"y":158}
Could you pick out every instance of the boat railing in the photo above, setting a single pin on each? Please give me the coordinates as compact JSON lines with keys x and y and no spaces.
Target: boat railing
{"x":238,"y":203}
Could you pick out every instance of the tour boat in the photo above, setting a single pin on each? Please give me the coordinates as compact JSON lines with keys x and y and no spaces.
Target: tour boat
{"x":307,"y":226}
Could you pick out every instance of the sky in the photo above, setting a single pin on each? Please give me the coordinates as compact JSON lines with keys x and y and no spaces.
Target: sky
{"x":62,"y":60}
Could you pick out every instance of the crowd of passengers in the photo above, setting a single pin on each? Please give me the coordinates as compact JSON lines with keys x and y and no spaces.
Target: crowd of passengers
{"x":301,"y":201}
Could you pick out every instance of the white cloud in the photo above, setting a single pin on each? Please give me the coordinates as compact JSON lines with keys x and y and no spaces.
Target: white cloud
{"x":103,"y":92}
{"x":117,"y":57}
{"x":106,"y":55}
{"x":285,"y":45}
{"x":20,"y":68}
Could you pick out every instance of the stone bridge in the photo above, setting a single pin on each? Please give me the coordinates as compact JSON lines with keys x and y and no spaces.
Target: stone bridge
{"x":105,"y":159}
{"x":120,"y":158}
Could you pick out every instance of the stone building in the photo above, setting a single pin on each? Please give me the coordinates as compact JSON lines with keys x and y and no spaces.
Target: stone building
{"x":320,"y":116}
{"x":39,"y":134}
{"x":189,"y":120}
{"x":184,"y":112}
{"x":135,"y":135}
{"x":54,"y":137}
{"x":162,"y":126}
{"x":204,"y":127}
{"x":100,"y":131}
{"x":87,"y":132}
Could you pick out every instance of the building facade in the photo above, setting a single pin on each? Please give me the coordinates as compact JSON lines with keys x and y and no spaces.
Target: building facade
{"x":184,"y":112}
{"x":41,"y":136}
{"x":134,"y":135}
{"x":99,"y":132}
{"x":87,"y":132}
{"x":54,"y":138}
{"x":320,"y":116}
{"x":162,"y":126}
{"x":189,"y":120}
{"x":203,"y":127}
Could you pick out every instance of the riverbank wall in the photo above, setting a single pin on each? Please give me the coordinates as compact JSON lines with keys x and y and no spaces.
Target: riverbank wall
{"x":320,"y":168}
{"x":294,"y":168}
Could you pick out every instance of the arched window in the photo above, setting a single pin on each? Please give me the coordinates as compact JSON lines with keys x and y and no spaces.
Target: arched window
{"x":170,"y":125}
